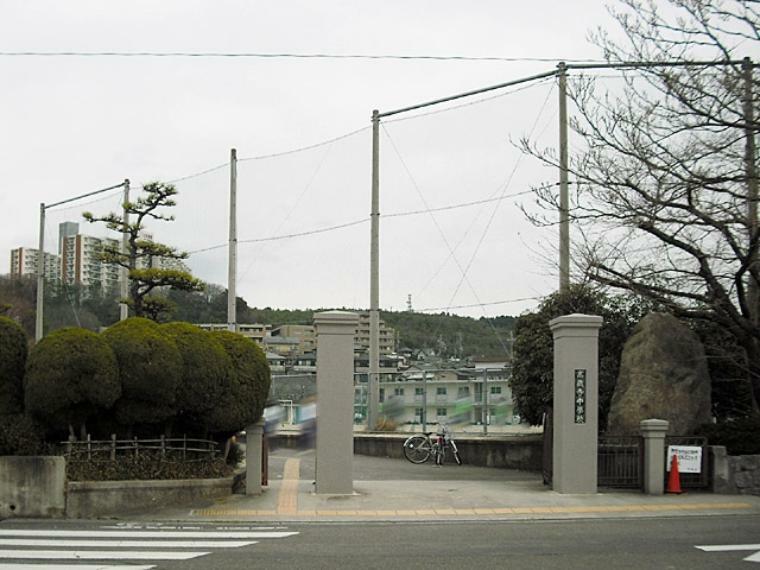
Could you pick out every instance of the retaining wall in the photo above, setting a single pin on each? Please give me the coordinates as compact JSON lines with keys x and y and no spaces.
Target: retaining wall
{"x":32,"y":486}
{"x":88,"y":499}
{"x":504,"y":451}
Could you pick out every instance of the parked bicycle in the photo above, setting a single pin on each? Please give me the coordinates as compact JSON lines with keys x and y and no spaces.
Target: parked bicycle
{"x":420,"y":448}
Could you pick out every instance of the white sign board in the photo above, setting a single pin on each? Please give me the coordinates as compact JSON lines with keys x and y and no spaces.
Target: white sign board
{"x":689,"y":458}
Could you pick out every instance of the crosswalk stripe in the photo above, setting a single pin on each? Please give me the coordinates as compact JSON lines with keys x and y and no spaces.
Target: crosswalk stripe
{"x":144,"y":534}
{"x":62,"y":543}
{"x":24,"y":566}
{"x":99,"y":555}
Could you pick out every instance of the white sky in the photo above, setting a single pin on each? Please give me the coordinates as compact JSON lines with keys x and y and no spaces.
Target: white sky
{"x":70,"y":125}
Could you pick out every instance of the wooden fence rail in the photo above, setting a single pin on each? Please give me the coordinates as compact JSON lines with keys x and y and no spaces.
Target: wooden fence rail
{"x":184,"y":448}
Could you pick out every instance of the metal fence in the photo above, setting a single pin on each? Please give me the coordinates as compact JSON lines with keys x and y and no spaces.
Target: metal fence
{"x":620,"y":462}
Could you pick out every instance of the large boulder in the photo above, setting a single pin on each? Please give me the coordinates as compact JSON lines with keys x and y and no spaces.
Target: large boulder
{"x":663,"y":375}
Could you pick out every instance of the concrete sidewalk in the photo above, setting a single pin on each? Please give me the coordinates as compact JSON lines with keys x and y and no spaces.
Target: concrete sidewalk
{"x":395,"y":490}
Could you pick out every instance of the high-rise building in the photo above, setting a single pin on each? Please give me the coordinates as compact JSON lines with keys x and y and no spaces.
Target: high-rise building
{"x":387,"y":340}
{"x":24,"y":262}
{"x":81,"y":264}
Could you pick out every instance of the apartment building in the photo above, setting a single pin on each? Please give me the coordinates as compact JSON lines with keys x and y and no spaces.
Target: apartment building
{"x":304,"y":334}
{"x":466,"y":396}
{"x":24,"y":262}
{"x":255,"y":331}
{"x":387,"y":339}
{"x":81,"y":264}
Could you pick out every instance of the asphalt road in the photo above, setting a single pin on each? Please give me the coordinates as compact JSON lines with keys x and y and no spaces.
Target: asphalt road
{"x":576,"y":544}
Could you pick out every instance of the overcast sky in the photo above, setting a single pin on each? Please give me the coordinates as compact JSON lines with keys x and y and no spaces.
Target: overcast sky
{"x":70,"y":125}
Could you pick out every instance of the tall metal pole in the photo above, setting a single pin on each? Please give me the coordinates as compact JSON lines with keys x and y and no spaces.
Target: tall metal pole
{"x":40,"y":277}
{"x":374,"y":287}
{"x":124,"y":281}
{"x":751,"y":172}
{"x":232,"y":267}
{"x":564,"y":218}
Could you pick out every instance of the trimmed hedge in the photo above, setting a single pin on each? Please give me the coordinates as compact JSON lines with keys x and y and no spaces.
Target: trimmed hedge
{"x":205,"y":369}
{"x":20,"y":435}
{"x":13,"y":354}
{"x":71,"y":376}
{"x":147,"y":466}
{"x":150,"y":367}
{"x":247,"y":387}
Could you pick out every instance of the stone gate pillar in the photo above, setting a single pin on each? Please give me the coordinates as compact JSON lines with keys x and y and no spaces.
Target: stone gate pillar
{"x":335,"y":401}
{"x":576,"y":397}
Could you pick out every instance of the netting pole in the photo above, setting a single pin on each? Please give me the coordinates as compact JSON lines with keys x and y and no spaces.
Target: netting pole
{"x":40,"y":277}
{"x":124,"y":282}
{"x":564,"y":221}
{"x":232,"y":266}
{"x":374,"y":288}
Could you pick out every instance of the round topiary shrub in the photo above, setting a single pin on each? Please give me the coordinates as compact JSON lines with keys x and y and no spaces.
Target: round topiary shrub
{"x":71,"y":376}
{"x":247,"y":385}
{"x":205,"y":369}
{"x":13,"y":353}
{"x":21,"y":435}
{"x":150,"y":367}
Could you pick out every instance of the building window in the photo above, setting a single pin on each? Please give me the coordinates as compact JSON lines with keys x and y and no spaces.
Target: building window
{"x":441,"y":412}
{"x":463,"y":392}
{"x":440,"y":391}
{"x":418,"y":413}
{"x":418,"y":392}
{"x":382,"y":394}
{"x":398,"y":391}
{"x":495,"y":389}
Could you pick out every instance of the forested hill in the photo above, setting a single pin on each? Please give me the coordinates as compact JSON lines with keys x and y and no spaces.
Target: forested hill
{"x":443,"y":334}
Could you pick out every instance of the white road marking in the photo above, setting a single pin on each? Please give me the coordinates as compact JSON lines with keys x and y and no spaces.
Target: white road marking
{"x":99,"y":555}
{"x":755,"y":557}
{"x":63,"y":543}
{"x":73,"y":567}
{"x":144,"y":534}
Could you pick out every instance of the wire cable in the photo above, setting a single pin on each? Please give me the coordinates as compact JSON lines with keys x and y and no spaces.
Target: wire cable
{"x":285,"y":55}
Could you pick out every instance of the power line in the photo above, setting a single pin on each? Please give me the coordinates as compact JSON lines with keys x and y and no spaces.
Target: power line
{"x":476,"y":305}
{"x":264,"y":55}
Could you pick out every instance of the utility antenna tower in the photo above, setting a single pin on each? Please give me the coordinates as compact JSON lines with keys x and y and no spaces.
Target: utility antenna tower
{"x":409,"y":302}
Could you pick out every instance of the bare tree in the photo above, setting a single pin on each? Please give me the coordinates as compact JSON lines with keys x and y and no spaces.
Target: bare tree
{"x":143,"y":253}
{"x":665,"y":196}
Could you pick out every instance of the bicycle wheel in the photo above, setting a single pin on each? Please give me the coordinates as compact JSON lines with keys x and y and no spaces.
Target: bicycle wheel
{"x":417,"y":449}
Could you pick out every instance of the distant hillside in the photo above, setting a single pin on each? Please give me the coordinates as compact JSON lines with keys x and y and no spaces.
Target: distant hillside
{"x":443,"y":334}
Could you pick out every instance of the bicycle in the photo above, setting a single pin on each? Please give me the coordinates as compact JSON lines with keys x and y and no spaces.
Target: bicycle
{"x":420,"y":448}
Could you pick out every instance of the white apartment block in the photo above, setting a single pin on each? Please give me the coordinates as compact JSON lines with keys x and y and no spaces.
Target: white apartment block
{"x":24,"y":262}
{"x":81,"y":265}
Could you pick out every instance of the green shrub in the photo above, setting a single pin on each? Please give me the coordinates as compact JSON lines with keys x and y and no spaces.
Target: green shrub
{"x":247,"y":386}
{"x":147,"y":466}
{"x":205,"y":369}
{"x":71,"y":376}
{"x":13,"y":353}
{"x":740,"y":435}
{"x":150,"y":367}
{"x":20,"y":435}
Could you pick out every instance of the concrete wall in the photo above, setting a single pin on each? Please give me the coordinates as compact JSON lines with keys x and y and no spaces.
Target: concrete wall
{"x":32,"y":486}
{"x":88,"y":499}
{"x":506,"y":452}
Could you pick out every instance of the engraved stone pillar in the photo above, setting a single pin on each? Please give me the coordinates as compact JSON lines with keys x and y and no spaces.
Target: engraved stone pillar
{"x":576,"y":393}
{"x":335,"y":401}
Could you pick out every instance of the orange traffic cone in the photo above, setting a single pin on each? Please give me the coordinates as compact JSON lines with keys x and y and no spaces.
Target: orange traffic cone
{"x":674,"y":479}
